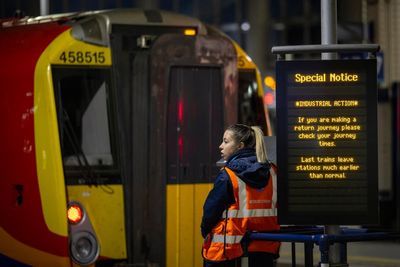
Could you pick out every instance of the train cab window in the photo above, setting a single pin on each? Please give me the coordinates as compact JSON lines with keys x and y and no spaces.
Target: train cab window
{"x":83,"y":106}
{"x":251,"y":106}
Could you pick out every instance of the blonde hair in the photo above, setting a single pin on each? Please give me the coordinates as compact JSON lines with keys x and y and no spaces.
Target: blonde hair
{"x":252,"y":137}
{"x":260,"y":145}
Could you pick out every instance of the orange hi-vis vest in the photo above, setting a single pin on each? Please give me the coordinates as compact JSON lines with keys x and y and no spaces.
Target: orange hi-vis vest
{"x":253,"y":210}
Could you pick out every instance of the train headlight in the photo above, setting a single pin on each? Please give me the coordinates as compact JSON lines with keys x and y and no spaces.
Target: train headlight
{"x":84,"y":248}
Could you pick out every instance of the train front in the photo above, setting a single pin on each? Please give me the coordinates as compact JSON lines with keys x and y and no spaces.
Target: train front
{"x":102,"y":114}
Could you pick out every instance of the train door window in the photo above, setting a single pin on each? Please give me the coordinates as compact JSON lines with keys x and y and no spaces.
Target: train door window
{"x":195,"y":124}
{"x":251,"y":106}
{"x":84,"y":115}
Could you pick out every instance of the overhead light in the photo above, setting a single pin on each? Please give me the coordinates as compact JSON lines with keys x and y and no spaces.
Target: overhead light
{"x":189,"y":32}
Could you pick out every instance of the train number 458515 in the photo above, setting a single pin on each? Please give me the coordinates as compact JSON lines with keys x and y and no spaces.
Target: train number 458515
{"x":80,"y":57}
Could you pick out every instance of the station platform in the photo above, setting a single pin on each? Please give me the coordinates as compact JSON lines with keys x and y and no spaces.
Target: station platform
{"x":359,"y":254}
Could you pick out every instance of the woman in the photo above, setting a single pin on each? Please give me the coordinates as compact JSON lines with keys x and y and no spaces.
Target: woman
{"x":243,"y":199}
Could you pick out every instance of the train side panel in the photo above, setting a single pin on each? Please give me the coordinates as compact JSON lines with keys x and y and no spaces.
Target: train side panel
{"x":250,"y":77}
{"x":27,"y":234}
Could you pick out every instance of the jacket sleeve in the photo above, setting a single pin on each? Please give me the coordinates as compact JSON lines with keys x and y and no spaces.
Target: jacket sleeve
{"x":219,"y":198}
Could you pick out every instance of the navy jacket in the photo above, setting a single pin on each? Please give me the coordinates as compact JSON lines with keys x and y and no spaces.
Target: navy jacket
{"x":244,"y":164}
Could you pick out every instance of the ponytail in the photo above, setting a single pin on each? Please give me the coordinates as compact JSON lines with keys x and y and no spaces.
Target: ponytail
{"x":260,"y":145}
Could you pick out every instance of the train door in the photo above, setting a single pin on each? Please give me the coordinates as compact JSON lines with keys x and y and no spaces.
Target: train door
{"x":200,"y":75}
{"x":171,"y":115}
{"x":194,"y":129}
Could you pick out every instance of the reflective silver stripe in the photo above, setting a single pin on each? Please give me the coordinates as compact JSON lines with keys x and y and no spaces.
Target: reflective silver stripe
{"x":251,"y":213}
{"x":274,"y":192}
{"x":243,"y":212}
{"x":229,"y":239}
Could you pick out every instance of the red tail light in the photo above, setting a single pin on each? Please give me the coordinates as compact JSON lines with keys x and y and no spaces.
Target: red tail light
{"x":74,"y":213}
{"x":84,"y":246}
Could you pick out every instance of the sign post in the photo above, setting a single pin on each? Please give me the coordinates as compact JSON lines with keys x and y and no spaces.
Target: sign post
{"x":328,"y":36}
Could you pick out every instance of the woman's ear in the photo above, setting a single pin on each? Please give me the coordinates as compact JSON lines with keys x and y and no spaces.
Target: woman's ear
{"x":241,"y":145}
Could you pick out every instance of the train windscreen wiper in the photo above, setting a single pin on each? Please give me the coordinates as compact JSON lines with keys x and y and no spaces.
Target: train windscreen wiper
{"x":84,"y":166}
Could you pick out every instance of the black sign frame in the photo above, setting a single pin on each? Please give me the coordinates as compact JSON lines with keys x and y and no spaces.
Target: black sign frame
{"x":356,"y":201}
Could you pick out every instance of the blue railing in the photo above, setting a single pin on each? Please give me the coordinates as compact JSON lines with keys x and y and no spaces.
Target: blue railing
{"x":311,"y":236}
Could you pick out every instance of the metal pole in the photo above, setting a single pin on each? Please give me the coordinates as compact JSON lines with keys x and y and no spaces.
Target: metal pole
{"x":328,"y":25}
{"x":44,"y":7}
{"x":364,"y":17}
{"x":328,"y":36}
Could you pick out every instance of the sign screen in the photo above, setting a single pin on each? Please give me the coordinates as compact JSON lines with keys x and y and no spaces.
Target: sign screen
{"x":327,"y":142}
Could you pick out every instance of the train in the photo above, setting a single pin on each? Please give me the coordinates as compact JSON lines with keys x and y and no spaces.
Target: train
{"x":111,"y":125}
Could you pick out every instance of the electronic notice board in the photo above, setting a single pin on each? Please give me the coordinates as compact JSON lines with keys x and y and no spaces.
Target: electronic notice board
{"x":327,"y":142}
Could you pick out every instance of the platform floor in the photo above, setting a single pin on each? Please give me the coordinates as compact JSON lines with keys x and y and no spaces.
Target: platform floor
{"x":359,"y":254}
